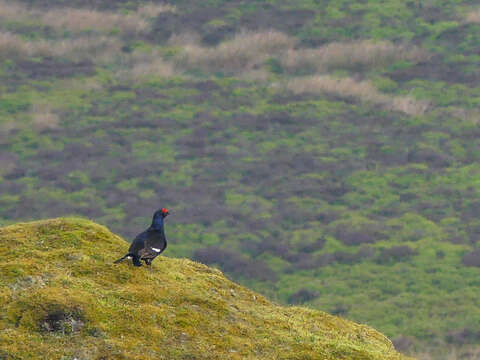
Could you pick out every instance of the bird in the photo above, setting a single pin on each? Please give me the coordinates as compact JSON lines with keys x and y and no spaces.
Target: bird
{"x":149,"y":244}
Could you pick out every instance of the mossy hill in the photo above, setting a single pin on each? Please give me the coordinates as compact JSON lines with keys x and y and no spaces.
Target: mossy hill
{"x":62,"y":298}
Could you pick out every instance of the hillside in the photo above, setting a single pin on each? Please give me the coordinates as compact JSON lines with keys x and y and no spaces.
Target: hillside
{"x":323,"y":153}
{"x":63,"y":299}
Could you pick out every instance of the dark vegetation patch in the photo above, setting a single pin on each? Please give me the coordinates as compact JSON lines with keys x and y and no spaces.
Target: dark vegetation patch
{"x":403,"y":344}
{"x":472,"y":258}
{"x":89,"y":4}
{"x":436,"y":70}
{"x":433,"y":157}
{"x":340,"y":309}
{"x":310,"y":247}
{"x":268,"y":17}
{"x":200,"y":20}
{"x":302,"y":296}
{"x":364,"y":253}
{"x":463,"y":336}
{"x":235,"y":263}
{"x":51,"y":67}
{"x":65,"y":323}
{"x":357,"y":234}
{"x":167,"y":24}
{"x":456,"y":38}
{"x":396,"y":253}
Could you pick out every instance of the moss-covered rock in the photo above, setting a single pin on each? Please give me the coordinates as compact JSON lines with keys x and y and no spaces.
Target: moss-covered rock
{"x":62,"y":298}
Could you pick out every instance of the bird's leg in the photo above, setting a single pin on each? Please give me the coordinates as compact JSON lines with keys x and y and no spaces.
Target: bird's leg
{"x":136,"y":260}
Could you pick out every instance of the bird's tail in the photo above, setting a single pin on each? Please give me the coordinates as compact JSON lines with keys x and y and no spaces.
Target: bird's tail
{"x":124,"y":257}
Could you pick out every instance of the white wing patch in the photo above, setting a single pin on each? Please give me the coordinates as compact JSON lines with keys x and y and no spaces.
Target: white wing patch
{"x":155,"y":249}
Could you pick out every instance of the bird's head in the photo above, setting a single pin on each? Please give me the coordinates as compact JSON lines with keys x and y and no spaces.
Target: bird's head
{"x":163,"y":212}
{"x":157,"y":221}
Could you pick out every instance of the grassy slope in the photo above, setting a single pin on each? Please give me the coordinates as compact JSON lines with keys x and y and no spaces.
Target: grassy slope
{"x":62,"y":298}
{"x":253,"y":171}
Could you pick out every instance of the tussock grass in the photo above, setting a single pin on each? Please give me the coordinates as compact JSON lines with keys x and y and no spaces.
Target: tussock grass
{"x":96,"y":48}
{"x":146,"y":65}
{"x":86,"y":19}
{"x":74,"y":19}
{"x":473,"y":16}
{"x":242,"y":53}
{"x":151,"y":10}
{"x":44,"y":117}
{"x":13,"y":10}
{"x":349,"y":55}
{"x":62,"y":297}
{"x":11,"y":46}
{"x":361,"y":90}
{"x":249,"y":50}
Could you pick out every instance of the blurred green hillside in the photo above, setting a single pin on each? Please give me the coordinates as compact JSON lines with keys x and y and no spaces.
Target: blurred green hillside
{"x":323,"y":153}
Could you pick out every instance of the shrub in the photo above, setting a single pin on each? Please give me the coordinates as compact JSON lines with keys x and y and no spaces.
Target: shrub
{"x":365,"y":252}
{"x":339,"y":309}
{"x":235,"y":263}
{"x":396,"y":253}
{"x":403,"y":344}
{"x":463,"y":336}
{"x":302,"y":261}
{"x":344,"y":257}
{"x":433,"y":157}
{"x":324,"y":260}
{"x":313,"y":246}
{"x":357,"y":231}
{"x":302,"y":296}
{"x":472,"y":258}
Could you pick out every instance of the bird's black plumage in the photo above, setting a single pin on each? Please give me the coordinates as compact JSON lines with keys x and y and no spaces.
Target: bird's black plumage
{"x":150,"y":243}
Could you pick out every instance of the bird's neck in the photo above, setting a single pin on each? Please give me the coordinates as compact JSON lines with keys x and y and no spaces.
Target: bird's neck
{"x":157,"y":223}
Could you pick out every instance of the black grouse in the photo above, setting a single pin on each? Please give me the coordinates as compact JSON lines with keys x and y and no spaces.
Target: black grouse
{"x":150,"y":243}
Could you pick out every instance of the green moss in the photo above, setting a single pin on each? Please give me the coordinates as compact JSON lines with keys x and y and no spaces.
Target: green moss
{"x":65,"y":290}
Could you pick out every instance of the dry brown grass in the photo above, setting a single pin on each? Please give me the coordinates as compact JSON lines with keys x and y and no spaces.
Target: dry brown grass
{"x":96,"y":48}
{"x":86,"y":19}
{"x":244,"y":52}
{"x":361,"y":90}
{"x":151,"y":10}
{"x":348,"y":55}
{"x":11,"y":45}
{"x":259,"y":75}
{"x":11,"y":10}
{"x":44,"y":117}
{"x":184,"y":39}
{"x":473,"y":16}
{"x":142,"y":66}
{"x":249,"y":50}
